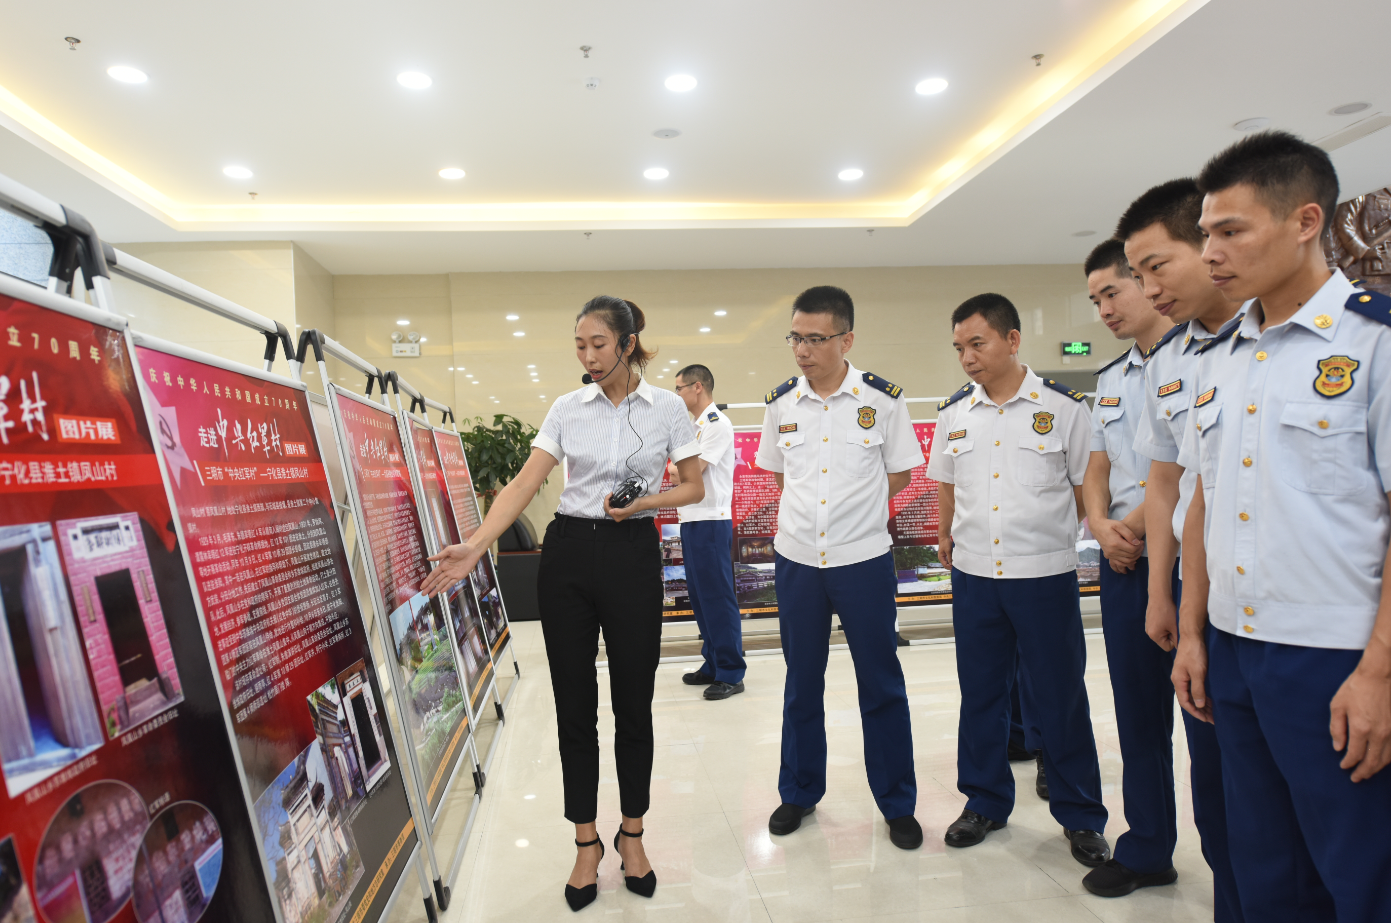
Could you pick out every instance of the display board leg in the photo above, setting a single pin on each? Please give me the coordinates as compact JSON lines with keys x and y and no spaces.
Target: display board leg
{"x":497,"y":706}
{"x":442,"y":894}
{"x":463,"y":841}
{"x":427,"y":895}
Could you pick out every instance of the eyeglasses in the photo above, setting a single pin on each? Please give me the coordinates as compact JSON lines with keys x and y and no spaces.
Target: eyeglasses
{"x":794,"y":341}
{"x":677,"y":388}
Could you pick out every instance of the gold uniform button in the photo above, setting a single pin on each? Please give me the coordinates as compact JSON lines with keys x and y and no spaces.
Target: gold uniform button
{"x":1250,"y":408}
{"x":823,"y":470}
{"x":1242,"y":516}
{"x":997,"y":541}
{"x":854,"y":390}
{"x":866,"y":442}
{"x":823,"y":554}
{"x":1033,"y":394}
{"x":1240,"y":569}
{"x":1040,"y":447}
{"x":1365,"y":298}
{"x":954,"y":451}
{"x":825,"y":407}
{"x":823,"y":534}
{"x":1323,"y":424}
{"x":823,"y":563}
{"x":1249,"y":611}
{"x":1246,"y":462}
{"x":825,"y":438}
{"x":1323,"y":322}
{"x":1260,"y":356}
{"x":996,"y":508}
{"x":1002,"y":410}
{"x":1142,"y":483}
{"x":998,"y":563}
{"x":997,"y":442}
{"x":996,"y":474}
{"x":787,"y":443}
{"x":1249,"y":629}
{"x":823,"y":503}
{"x":999,"y":573}
{"x":1168,"y":413}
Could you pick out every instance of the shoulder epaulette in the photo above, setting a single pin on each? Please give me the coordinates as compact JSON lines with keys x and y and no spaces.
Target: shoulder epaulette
{"x":1172,"y":332}
{"x":1374,"y":305}
{"x":1223,"y":334}
{"x":780,"y":390}
{"x":1064,"y":389}
{"x":888,"y":387}
{"x":965,"y":390}
{"x":1113,"y":362}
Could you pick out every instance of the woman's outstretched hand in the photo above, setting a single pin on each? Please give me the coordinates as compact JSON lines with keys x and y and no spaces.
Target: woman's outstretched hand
{"x":455,"y":563}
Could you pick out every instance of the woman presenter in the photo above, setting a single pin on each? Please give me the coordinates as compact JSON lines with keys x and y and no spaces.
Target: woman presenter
{"x":600,"y":570}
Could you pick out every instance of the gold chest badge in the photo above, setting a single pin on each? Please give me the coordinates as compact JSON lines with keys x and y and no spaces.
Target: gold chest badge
{"x":1335,"y":375}
{"x":866,"y":417}
{"x":1043,"y":422}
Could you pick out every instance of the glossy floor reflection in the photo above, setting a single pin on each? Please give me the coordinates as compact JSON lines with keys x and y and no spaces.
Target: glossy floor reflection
{"x":714,"y":787}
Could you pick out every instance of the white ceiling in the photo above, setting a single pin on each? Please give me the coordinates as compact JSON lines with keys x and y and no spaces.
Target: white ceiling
{"x":789,"y":94}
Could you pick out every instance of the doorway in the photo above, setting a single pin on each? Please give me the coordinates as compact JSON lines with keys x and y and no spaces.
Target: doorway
{"x":125,"y":624}
{"x":366,"y":740}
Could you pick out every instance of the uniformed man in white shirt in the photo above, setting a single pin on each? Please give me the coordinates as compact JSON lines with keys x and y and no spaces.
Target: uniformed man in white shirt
{"x":1114,"y":490}
{"x":839,"y":443}
{"x":1291,"y":436}
{"x":1009,"y":452}
{"x":707,"y":541}
{"x":1164,"y":248}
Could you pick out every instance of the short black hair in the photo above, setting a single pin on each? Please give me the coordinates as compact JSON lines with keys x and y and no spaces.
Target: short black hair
{"x":1285,"y":170}
{"x":700,"y":373}
{"x":1177,"y":205}
{"x":1109,"y":254}
{"x":827,"y":299}
{"x":999,"y":312}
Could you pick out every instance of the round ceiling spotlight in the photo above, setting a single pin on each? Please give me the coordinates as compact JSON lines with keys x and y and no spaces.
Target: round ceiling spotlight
{"x":1255,"y":124}
{"x":680,"y":83}
{"x":931,"y":86}
{"x":452,"y":173}
{"x":850,"y":175}
{"x":403,"y":323}
{"x":666,"y":134}
{"x":236,"y":172}
{"x":656,"y":173}
{"x":126,"y":74}
{"x":414,"y":80}
{"x":1350,"y":108}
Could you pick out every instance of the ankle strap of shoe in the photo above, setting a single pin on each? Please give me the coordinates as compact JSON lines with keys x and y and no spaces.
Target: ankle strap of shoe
{"x":593,"y":842}
{"x":633,"y":835}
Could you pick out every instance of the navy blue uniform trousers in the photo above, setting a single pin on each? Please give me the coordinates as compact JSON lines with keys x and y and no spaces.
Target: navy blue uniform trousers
{"x":863,"y":596}
{"x":1023,"y":731}
{"x":1143,"y":692}
{"x":706,"y":547}
{"x":1209,"y":802}
{"x":1290,"y":805}
{"x":1039,"y":621}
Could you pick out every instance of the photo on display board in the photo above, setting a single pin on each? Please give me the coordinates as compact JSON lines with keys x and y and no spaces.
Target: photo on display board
{"x":16,"y":906}
{"x":431,"y":680}
{"x":674,"y":589}
{"x":48,"y":714}
{"x":338,"y":744}
{"x":178,"y":865}
{"x":364,"y":723}
{"x":468,"y":628}
{"x":122,"y":622}
{"x":86,"y":859}
{"x":490,"y":602}
{"x":313,"y":857}
{"x":672,"y":552}
{"x":920,"y":570}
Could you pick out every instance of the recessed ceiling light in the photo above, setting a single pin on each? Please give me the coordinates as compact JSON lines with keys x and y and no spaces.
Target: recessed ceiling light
{"x":414,"y":80}
{"x":475,"y":382}
{"x":931,"y":86}
{"x":1255,"y":124}
{"x":518,"y":333}
{"x":666,"y":134}
{"x":126,"y":74}
{"x":531,"y":366}
{"x":656,"y":173}
{"x":497,"y":402}
{"x":850,"y":175}
{"x":661,"y":376}
{"x":403,"y":323}
{"x":704,"y":329}
{"x":517,"y":317}
{"x":1083,"y":233}
{"x":721,"y":313}
{"x":236,"y":172}
{"x":451,"y":368}
{"x":470,"y":375}
{"x":452,"y":173}
{"x":1350,"y":108}
{"x":680,"y":83}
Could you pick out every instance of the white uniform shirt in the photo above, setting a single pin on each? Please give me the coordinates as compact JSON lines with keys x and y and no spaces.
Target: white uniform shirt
{"x":1013,"y":467}
{"x":715,"y":433}
{"x":1295,"y":456}
{"x":598,"y":439}
{"x":1159,"y":431}
{"x":1120,"y":402}
{"x":835,"y":456}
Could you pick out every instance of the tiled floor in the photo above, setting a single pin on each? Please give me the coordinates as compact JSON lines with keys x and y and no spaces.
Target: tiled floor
{"x":714,"y":786}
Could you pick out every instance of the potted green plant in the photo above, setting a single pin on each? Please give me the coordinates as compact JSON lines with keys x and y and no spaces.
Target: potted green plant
{"x":496,"y":454}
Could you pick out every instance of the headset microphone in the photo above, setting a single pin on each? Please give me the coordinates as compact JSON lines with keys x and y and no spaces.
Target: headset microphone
{"x":589,"y":379}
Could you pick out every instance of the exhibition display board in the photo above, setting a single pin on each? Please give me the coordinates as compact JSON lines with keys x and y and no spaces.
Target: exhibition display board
{"x":122,"y":798}
{"x":293,"y":657}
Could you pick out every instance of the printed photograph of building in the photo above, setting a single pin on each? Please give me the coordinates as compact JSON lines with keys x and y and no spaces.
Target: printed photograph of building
{"x":314,"y":862}
{"x":920,"y":571}
{"x":674,"y":589}
{"x":335,"y":737}
{"x":431,"y":680}
{"x":672,"y":552}
{"x":86,"y":859}
{"x":490,"y":603}
{"x":15,"y":903}
{"x":754,"y":585}
{"x":178,"y":865}
{"x":364,"y":723}
{"x":122,"y":622}
{"x":48,"y":715}
{"x":468,"y":628}
{"x":756,"y":550}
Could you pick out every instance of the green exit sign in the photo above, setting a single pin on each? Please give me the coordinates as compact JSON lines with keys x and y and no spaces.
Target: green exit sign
{"x":1075,"y":348}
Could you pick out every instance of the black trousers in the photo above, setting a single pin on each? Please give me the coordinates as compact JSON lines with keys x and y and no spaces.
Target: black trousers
{"x":602,"y":575}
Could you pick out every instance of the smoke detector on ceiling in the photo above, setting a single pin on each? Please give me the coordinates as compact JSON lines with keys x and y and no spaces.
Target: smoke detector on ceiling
{"x":591,"y":83}
{"x":666,"y":133}
{"x":1255,"y":124}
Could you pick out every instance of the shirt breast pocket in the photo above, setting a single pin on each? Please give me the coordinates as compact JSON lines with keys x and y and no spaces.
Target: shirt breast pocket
{"x":962,"y":461}
{"x":1040,"y":461}
{"x":864,"y":454}
{"x":1207,"y":421}
{"x":796,"y":455}
{"x":1114,"y":431}
{"x":1323,"y":447}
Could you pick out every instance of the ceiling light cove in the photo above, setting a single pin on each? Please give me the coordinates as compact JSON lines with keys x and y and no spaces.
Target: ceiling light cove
{"x":850,"y":175}
{"x":680,"y":83}
{"x":414,"y":80}
{"x":236,"y":172}
{"x":931,"y":86}
{"x":126,"y":74}
{"x":656,"y":173}
{"x":452,"y":173}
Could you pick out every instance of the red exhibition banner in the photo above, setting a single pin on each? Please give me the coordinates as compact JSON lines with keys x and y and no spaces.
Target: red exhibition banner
{"x":394,"y":546}
{"x":913,"y":525}
{"x":121,"y":797}
{"x":755,"y":515}
{"x":293,"y":657}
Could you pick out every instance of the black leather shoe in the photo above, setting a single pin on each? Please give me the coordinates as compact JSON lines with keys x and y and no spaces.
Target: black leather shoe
{"x":1041,"y":781}
{"x":1018,"y":754}
{"x":1089,"y":847}
{"x":787,"y":818}
{"x":1111,"y":879}
{"x":718,"y":690}
{"x":645,"y":886}
{"x":697,"y":679}
{"x":969,"y":829}
{"x":580,"y":898}
{"x":905,"y":832}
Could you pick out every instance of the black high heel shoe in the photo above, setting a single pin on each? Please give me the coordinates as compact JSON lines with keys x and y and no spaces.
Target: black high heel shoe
{"x":645,"y":886}
{"x":580,"y":898}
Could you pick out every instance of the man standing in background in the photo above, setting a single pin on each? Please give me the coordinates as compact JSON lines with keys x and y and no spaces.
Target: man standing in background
{"x":1114,"y":491}
{"x":707,"y":538}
